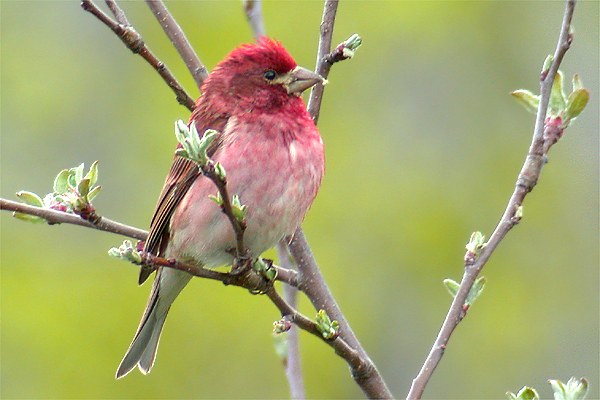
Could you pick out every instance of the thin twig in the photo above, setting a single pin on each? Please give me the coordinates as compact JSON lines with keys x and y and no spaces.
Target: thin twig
{"x":134,"y":42}
{"x":313,"y":285}
{"x":118,"y":12}
{"x":341,"y":347}
{"x":248,"y":279}
{"x":179,"y":40}
{"x":253,"y":10}
{"x":322,"y":67}
{"x":526,"y":180}
{"x":293,"y":364}
{"x":58,"y":217}
{"x":312,"y":282}
{"x":255,"y":283}
{"x":242,"y":253}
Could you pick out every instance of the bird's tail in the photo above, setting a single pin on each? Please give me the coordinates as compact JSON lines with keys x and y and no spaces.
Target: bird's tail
{"x":142,"y":351}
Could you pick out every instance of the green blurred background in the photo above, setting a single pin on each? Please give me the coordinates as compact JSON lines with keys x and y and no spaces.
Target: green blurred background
{"x":423,"y":147}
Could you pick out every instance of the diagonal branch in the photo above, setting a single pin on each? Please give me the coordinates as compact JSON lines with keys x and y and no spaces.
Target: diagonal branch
{"x":243,"y":255}
{"x":118,"y":12}
{"x":253,"y":10}
{"x":312,"y":282}
{"x":58,"y":217}
{"x":322,"y":67}
{"x":179,"y":40}
{"x":134,"y":42}
{"x":293,"y":365}
{"x":526,"y":181}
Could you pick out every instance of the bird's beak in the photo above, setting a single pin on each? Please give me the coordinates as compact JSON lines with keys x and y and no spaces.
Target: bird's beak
{"x":301,"y":79}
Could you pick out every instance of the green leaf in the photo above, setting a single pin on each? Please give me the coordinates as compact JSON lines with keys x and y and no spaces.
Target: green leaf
{"x":353,"y":42}
{"x":220,"y":171}
{"x":28,"y":218}
{"x":547,"y":63}
{"x":217,"y":199}
{"x":83,"y":188}
{"x":78,"y":174}
{"x":351,"y":45}
{"x":259,"y":265}
{"x":181,"y":130}
{"x":238,"y":209}
{"x":559,"y":389}
{"x":127,"y":251}
{"x":92,"y":174}
{"x":30,"y":198}
{"x":576,"y":103}
{"x":61,"y":182}
{"x":476,"y":242}
{"x":558,"y":100}
{"x":527,"y":393}
{"x":194,"y":146}
{"x":575,"y":389}
{"x":519,"y":212}
{"x":527,"y":100}
{"x":202,"y":144}
{"x":476,"y":290}
{"x":280,"y":344}
{"x":326,"y":326}
{"x":239,"y":212}
{"x":114,"y":252}
{"x":577,"y":83}
{"x":452,"y":287}
{"x":94,"y":192}
{"x":181,"y":152}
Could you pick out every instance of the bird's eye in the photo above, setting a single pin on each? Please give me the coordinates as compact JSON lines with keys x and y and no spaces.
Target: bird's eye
{"x":270,"y":75}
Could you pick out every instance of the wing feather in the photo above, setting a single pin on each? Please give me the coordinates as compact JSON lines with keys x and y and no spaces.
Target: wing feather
{"x":181,"y":176}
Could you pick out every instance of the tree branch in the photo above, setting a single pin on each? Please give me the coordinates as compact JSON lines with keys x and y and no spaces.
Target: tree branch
{"x":312,"y":283}
{"x":340,"y":346}
{"x":322,"y":67}
{"x":179,"y":40}
{"x":59,"y":217}
{"x":134,"y":42}
{"x":293,"y":364}
{"x":243,"y":255}
{"x":253,"y":10}
{"x":526,"y":181}
{"x":118,"y":12}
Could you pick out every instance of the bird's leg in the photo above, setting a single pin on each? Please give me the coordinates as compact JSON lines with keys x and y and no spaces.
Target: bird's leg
{"x":241,"y":263}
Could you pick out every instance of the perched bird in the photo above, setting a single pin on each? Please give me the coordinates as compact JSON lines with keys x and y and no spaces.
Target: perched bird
{"x":273,"y":155}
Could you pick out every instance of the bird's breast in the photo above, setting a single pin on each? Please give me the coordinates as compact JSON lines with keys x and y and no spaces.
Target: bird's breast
{"x":275,"y":168}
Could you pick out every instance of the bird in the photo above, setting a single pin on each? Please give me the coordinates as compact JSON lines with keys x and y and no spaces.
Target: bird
{"x":274,"y":158}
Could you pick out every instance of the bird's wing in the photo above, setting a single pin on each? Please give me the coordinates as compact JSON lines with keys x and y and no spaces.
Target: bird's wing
{"x":181,"y":176}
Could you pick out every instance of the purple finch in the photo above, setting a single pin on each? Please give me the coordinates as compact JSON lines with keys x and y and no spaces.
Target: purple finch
{"x":273,"y":155}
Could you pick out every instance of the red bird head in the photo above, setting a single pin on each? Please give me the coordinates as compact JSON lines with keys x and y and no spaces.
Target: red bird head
{"x":258,"y":76}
